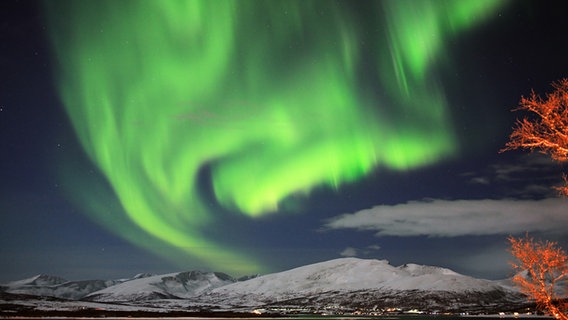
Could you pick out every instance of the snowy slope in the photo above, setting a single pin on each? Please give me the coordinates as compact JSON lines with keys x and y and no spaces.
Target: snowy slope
{"x":39,"y":280}
{"x":173,"y":285}
{"x":339,"y":274}
{"x":428,"y":278}
{"x":51,"y":286}
{"x":343,"y":277}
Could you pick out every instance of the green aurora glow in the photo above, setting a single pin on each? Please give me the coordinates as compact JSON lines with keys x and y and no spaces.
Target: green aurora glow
{"x":272,"y":97}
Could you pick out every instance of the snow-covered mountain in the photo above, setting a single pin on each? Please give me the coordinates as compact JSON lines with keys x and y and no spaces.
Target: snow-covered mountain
{"x":39,"y":280}
{"x":352,"y":274}
{"x":51,"y":286}
{"x":332,"y":286}
{"x":169,"y":286}
{"x":358,"y":283}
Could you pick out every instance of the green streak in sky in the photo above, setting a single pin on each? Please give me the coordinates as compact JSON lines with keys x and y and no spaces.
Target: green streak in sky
{"x":268,"y":96}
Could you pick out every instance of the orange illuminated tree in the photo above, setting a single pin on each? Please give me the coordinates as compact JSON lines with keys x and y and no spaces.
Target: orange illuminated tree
{"x":547,"y":128}
{"x":542,"y":269}
{"x":542,"y":266}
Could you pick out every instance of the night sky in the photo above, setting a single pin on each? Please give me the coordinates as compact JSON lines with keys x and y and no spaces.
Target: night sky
{"x":253,"y":137}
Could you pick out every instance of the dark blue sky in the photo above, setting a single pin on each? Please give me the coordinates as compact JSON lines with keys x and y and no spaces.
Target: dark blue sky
{"x":42,"y":230}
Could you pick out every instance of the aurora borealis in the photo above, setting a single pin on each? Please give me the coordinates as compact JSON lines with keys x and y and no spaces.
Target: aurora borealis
{"x":256,"y":136}
{"x":159,"y":90}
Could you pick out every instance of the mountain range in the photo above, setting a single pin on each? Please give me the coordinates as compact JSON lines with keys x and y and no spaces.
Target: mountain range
{"x":339,"y":286}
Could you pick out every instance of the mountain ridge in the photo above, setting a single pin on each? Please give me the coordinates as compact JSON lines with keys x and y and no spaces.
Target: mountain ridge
{"x":344,"y":283}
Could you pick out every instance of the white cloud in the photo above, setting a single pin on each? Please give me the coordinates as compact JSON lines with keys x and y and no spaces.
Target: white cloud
{"x":480,"y":180}
{"x":531,"y":175}
{"x":374,"y":247}
{"x":451,"y":218}
{"x":348,"y":252}
{"x":529,"y":164}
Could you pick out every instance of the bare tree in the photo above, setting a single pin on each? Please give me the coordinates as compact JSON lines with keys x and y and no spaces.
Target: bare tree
{"x":546,"y":130}
{"x":541,"y":267}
